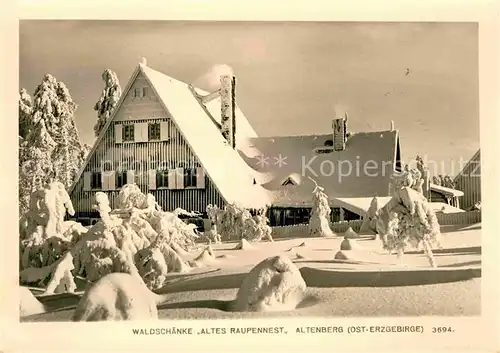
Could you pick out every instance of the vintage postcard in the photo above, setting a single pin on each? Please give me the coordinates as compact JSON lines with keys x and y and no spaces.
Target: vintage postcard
{"x":302,"y":183}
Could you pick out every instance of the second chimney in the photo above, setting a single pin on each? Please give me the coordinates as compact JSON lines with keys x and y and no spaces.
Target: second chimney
{"x":339,"y":133}
{"x":228,"y":107}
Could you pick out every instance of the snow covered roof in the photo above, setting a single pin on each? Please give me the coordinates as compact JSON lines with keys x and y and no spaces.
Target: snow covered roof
{"x":229,"y":173}
{"x":360,"y":205}
{"x":232,"y":177}
{"x":370,"y":157}
{"x":446,"y":191}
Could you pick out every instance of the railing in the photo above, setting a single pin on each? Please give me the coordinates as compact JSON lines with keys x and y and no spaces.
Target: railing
{"x":444,"y":219}
{"x":297,"y":230}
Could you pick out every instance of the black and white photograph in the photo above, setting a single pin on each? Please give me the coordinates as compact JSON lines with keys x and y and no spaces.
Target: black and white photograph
{"x":178,"y":171}
{"x":240,"y":168}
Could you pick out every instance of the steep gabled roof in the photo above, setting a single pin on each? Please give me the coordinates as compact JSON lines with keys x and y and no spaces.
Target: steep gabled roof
{"x":230,"y":175}
{"x":281,"y":156}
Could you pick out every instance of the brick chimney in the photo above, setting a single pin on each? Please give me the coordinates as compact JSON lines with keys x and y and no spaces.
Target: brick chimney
{"x":339,"y":133}
{"x":228,"y":107}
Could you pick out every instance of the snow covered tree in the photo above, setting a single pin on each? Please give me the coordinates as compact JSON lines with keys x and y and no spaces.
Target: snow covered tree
{"x":319,"y":224}
{"x":411,"y":222}
{"x":53,"y":104}
{"x":370,"y":219}
{"x":410,"y":177}
{"x":85,"y":151}
{"x":109,"y":98}
{"x":35,"y":163}
{"x":236,"y":223}
{"x":25,"y":110}
{"x":51,"y":148}
{"x":424,"y":176}
{"x":448,"y":182}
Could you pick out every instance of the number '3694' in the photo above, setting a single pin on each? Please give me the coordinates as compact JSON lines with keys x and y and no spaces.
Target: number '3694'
{"x":442,"y":329}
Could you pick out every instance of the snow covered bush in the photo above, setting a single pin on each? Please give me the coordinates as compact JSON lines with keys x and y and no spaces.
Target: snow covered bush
{"x":235,"y":222}
{"x":155,"y":261}
{"x":211,"y":234}
{"x":138,"y":239}
{"x":319,"y":224}
{"x":274,"y":284}
{"x":117,"y":296}
{"x":44,"y":235}
{"x":109,"y":99}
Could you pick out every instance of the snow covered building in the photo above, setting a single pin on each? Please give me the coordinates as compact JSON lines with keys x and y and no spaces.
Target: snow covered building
{"x":468,"y":180}
{"x":449,"y":196}
{"x":347,"y":166}
{"x":191,"y":148}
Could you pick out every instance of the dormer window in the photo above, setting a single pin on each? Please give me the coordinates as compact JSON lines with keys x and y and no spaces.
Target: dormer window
{"x":288,"y":182}
{"x":324,"y":150}
{"x":292,"y":179}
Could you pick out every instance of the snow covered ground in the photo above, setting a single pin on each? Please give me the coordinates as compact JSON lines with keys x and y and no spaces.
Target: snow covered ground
{"x":370,"y":283}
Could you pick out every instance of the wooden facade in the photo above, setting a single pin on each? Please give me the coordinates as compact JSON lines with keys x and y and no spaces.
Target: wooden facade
{"x":143,"y":146}
{"x":469,"y":181}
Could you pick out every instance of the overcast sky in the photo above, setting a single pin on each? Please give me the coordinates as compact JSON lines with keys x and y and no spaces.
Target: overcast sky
{"x":293,"y":77}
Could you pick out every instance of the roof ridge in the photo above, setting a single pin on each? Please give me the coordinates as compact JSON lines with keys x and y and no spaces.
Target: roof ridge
{"x":323,"y":134}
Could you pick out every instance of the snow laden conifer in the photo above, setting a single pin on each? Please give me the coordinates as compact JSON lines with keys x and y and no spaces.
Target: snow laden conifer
{"x":319,"y":225}
{"x":25,"y":109}
{"x":35,"y":164}
{"x":85,"y":151}
{"x":408,"y":219}
{"x":53,"y":104}
{"x":51,"y":148}
{"x":109,"y":98}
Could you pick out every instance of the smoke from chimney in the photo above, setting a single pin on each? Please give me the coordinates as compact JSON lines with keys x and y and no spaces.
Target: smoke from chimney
{"x":221,"y":82}
{"x":211,"y":80}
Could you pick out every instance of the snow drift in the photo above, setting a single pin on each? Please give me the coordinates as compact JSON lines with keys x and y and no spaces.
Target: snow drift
{"x":28,"y":304}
